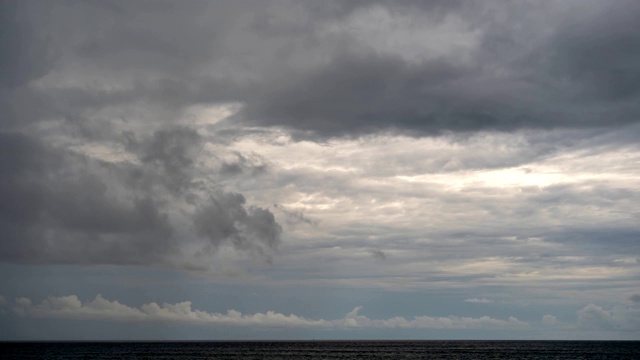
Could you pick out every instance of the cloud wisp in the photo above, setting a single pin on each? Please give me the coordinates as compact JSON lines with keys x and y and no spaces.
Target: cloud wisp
{"x":478,"y":301}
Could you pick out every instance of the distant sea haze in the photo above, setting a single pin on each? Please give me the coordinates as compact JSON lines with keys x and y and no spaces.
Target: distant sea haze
{"x":454,"y":349}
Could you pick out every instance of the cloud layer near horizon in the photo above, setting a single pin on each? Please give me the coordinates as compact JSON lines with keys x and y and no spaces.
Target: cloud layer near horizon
{"x":590,"y":317}
{"x":70,"y":307}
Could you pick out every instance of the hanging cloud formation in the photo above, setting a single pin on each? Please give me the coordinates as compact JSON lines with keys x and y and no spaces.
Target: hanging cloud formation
{"x":65,"y":207}
{"x":225,"y":218}
{"x":57,"y":203}
{"x":70,"y":307}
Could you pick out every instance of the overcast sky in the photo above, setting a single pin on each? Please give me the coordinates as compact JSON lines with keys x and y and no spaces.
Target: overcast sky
{"x":319,"y":169}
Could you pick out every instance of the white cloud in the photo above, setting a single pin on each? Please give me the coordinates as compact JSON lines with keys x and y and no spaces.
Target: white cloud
{"x":480,"y":301}
{"x":422,"y":200}
{"x":428,"y":322}
{"x":70,"y":307}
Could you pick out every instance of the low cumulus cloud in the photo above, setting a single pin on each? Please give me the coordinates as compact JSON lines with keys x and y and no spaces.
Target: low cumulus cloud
{"x":71,"y":307}
{"x":593,"y":317}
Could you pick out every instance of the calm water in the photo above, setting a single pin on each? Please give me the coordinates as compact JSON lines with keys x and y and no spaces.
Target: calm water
{"x":460,"y":350}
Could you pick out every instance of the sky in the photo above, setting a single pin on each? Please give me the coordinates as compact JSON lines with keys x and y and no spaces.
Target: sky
{"x":319,"y":169}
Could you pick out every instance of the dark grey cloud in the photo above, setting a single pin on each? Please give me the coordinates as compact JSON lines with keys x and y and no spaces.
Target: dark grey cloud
{"x":64,"y":207}
{"x":156,"y":53}
{"x":582,"y":75}
{"x":107,"y":70}
{"x":600,"y":53}
{"x":378,"y":254}
{"x":225,"y":219}
{"x":151,"y":50}
{"x":22,"y":60}
{"x":295,"y":217}
{"x":169,"y":155}
{"x":273,"y":58}
{"x":251,"y":164}
{"x":360,"y":94}
{"x":57,"y":207}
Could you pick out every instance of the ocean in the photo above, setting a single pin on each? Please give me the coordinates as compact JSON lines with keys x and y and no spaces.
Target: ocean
{"x":459,"y":350}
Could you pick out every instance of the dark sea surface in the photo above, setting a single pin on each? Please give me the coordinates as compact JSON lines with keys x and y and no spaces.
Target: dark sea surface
{"x":460,"y":350}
